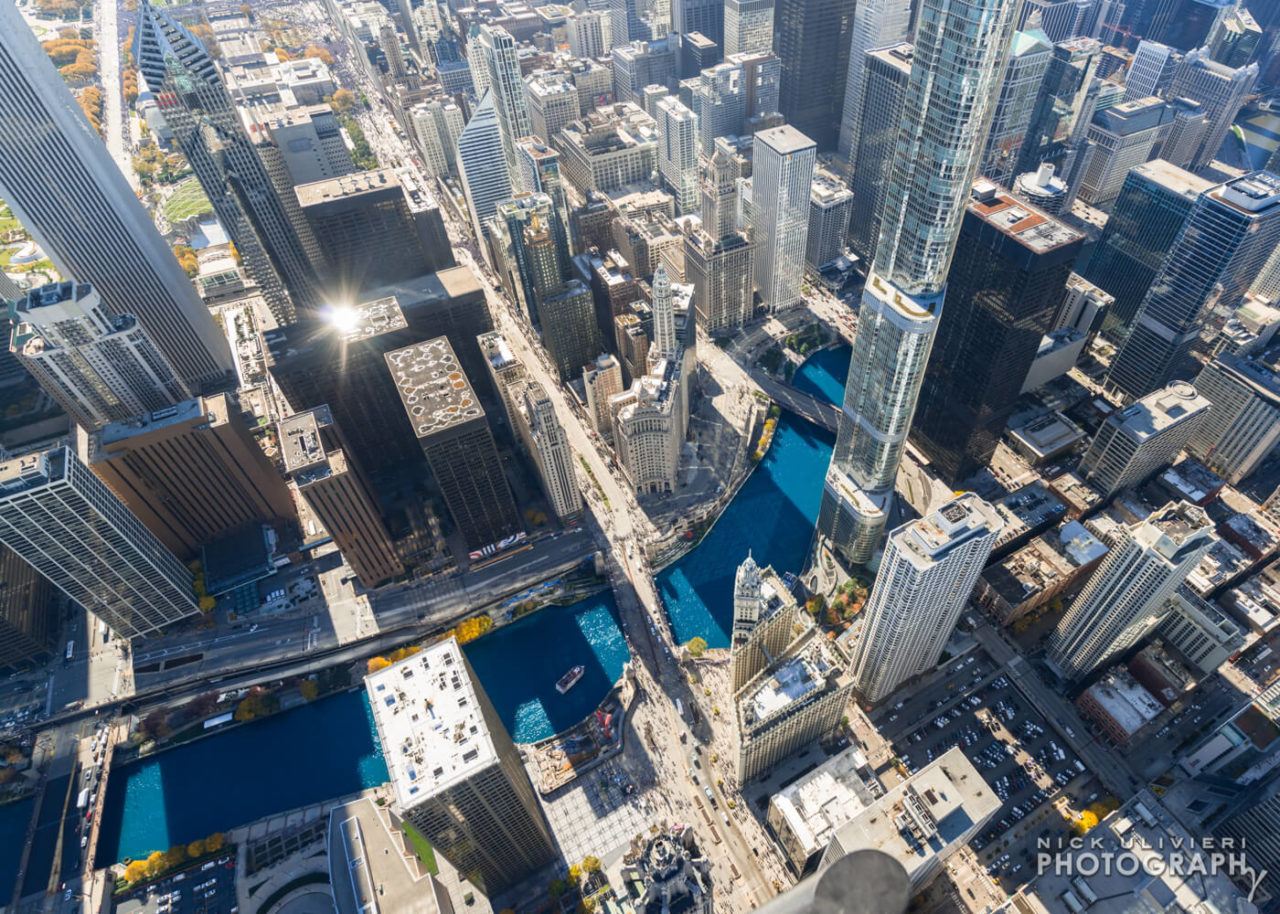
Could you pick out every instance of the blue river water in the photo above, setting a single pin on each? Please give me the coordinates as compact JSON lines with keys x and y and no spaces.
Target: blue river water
{"x":14,"y":819}
{"x":772,"y":516}
{"x":330,"y":747}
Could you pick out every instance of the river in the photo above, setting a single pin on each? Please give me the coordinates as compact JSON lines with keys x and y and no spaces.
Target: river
{"x":330,"y":747}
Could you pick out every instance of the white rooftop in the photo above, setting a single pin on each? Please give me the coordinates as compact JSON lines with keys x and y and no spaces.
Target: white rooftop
{"x":824,"y":799}
{"x":429,"y":721}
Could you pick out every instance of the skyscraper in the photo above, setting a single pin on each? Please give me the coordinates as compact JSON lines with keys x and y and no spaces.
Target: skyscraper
{"x":1128,"y":595}
{"x":545,"y":440}
{"x":876,"y":24}
{"x":958,"y":61}
{"x":93,"y":228}
{"x":1222,"y":91}
{"x":482,"y":165}
{"x":703,"y":16}
{"x":1151,"y":71}
{"x":830,"y":208}
{"x":811,"y":38}
{"x":29,"y":618}
{"x":1230,"y":234}
{"x":926,"y":576}
{"x":1064,"y":106}
{"x":1243,"y":427}
{"x":1029,"y":59}
{"x":888,"y":71}
{"x":207,"y":129}
{"x":602,"y":378}
{"x":1006,"y":283}
{"x":371,"y":233}
{"x":98,"y":366}
{"x":1153,"y":205}
{"x":568,"y":326}
{"x":678,"y":152}
{"x":1138,"y":441}
{"x":766,"y":618}
{"x":454,"y":433}
{"x":456,"y":776}
{"x":337,"y":492}
{"x":1119,"y":138}
{"x":781,"y":180}
{"x":497,"y":50}
{"x":748,"y":26}
{"x":68,"y":526}
{"x":191,"y":472}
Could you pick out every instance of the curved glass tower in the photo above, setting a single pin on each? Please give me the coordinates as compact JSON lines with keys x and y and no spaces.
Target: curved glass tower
{"x":960,"y":52}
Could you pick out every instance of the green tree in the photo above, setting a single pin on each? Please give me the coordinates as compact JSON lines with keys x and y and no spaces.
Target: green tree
{"x":697,"y":646}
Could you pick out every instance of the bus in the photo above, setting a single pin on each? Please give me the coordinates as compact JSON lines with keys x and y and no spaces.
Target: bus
{"x":71,"y":651}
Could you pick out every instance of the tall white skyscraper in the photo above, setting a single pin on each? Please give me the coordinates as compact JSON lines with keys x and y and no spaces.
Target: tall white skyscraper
{"x":498,"y":52}
{"x":482,"y":165}
{"x":782,"y":174}
{"x":1151,"y":70}
{"x":65,"y":523}
{"x":956,"y":69}
{"x":876,"y":24}
{"x":100,"y":367}
{"x":56,"y":175}
{"x":929,"y":568}
{"x":589,"y":35}
{"x":678,"y":152}
{"x":1128,"y":595}
{"x":748,"y":26}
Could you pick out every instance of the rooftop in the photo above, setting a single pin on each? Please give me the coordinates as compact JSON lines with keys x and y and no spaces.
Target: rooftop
{"x":347,"y":187}
{"x":929,"y":539}
{"x":788,"y":684}
{"x":1020,"y":221}
{"x":1159,"y":411}
{"x":1174,"y":178}
{"x":367,"y":319}
{"x":169,"y":416}
{"x":430,"y":723}
{"x":937,"y":806}
{"x":1253,"y":193}
{"x":300,"y":441}
{"x":824,"y":799}
{"x":31,"y":471}
{"x":1125,"y":701}
{"x":435,"y":391}
{"x":785,"y":139}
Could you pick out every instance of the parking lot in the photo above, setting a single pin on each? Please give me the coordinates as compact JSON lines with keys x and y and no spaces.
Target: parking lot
{"x":209,"y":888}
{"x":975,"y":706}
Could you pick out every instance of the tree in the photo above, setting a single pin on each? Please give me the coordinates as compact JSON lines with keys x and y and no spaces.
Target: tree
{"x":155,"y":863}
{"x":1086,"y":823}
{"x":214,"y":842}
{"x":195,"y":849}
{"x":136,"y":871}
{"x":696,"y":646}
{"x":186,"y":259}
{"x":591,"y":864}
{"x":343,"y":101}
{"x":320,"y":53}
{"x":377,"y":663}
{"x":308,"y":689}
{"x":815,"y":605}
{"x":575,"y":874}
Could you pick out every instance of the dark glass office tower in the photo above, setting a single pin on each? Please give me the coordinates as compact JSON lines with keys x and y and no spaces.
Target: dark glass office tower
{"x":811,"y":38}
{"x":1154,"y":203}
{"x":454,"y":433}
{"x":1006,"y":281}
{"x":1231,"y":233}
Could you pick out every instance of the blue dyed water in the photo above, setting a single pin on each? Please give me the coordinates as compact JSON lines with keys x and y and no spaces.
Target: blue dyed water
{"x":14,"y":819}
{"x":329,"y":748}
{"x":520,"y":663}
{"x":772,"y":516}
{"x":309,"y":754}
{"x":824,"y":373}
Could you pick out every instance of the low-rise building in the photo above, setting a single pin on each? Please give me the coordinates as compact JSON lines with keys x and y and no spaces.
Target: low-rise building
{"x":609,"y":148}
{"x":1119,"y":705}
{"x":923,"y":820}
{"x":1201,"y":633}
{"x":806,"y":813}
{"x":1045,"y":438}
{"x":1045,"y":568}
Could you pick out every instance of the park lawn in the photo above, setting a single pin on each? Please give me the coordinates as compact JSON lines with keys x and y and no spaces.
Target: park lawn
{"x":187,"y":201}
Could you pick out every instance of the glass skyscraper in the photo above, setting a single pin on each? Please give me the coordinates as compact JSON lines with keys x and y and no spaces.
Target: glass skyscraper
{"x":958,"y":63}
